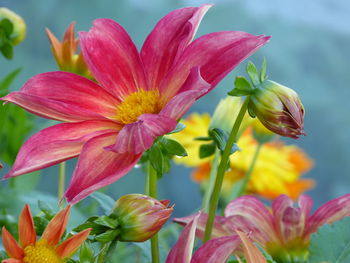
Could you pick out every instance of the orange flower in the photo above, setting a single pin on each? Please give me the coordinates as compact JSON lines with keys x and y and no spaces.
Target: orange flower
{"x":65,"y":52}
{"x":47,"y":249}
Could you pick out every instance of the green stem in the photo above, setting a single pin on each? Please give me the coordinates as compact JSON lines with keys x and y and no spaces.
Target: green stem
{"x":214,"y":200}
{"x":242,"y":185}
{"x":107,"y":251}
{"x":212,"y":177}
{"x":61,"y":180}
{"x":111,"y":249}
{"x":152,"y":183}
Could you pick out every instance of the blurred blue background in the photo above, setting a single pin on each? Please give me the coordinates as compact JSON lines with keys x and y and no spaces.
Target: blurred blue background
{"x":309,"y":52}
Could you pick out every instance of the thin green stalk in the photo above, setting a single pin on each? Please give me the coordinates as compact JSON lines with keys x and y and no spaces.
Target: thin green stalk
{"x":152,"y":183}
{"x":242,"y":185}
{"x":214,"y":200}
{"x":212,"y":177}
{"x":107,"y":251}
{"x":61,"y":180}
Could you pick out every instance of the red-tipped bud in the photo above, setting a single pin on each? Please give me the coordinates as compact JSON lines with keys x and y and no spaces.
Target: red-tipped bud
{"x":278,"y":108}
{"x":140,"y":216}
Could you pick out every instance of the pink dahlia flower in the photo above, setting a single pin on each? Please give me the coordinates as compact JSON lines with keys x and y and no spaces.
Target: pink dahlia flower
{"x":284,"y":231}
{"x":138,"y":96}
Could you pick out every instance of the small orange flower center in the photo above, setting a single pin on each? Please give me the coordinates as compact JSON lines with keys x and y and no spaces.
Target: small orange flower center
{"x":138,"y":103}
{"x":41,"y":252}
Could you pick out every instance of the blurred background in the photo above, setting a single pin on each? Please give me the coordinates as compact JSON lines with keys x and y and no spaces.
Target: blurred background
{"x":309,"y":52}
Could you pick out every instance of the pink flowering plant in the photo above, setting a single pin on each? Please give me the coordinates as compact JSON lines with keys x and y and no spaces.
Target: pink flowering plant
{"x":115,"y":107}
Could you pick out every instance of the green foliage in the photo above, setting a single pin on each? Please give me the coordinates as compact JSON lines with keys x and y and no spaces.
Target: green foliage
{"x":6,"y":30}
{"x":253,"y":73}
{"x":242,"y":87}
{"x":86,"y":253}
{"x":331,"y":243}
{"x":173,"y":147}
{"x":206,"y":150}
{"x":106,"y":202}
{"x":15,"y":123}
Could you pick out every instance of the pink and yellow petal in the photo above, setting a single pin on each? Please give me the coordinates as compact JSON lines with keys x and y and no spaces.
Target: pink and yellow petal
{"x":12,"y":260}
{"x":98,"y":167}
{"x":182,"y":250}
{"x":56,"y":227}
{"x":216,"y":250}
{"x":11,"y":246}
{"x":120,"y":70}
{"x":27,"y":235}
{"x":69,"y":246}
{"x":251,"y":252}
{"x":167,"y":41}
{"x":56,"y":144}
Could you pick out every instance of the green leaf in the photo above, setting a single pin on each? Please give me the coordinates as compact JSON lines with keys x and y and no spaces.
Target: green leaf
{"x":263,"y":76}
{"x":46,"y":209}
{"x":201,"y":138}
{"x":89,"y":223}
{"x":242,"y":87}
{"x":331,"y":243}
{"x":179,"y":127}
{"x":106,"y":221}
{"x":251,"y":112}
{"x":220,"y":137}
{"x":7,"y":80}
{"x":7,"y":26}
{"x":206,"y":150}
{"x":156,"y":158}
{"x":86,"y":254}
{"x":253,"y":73}
{"x":7,"y":50}
{"x":107,"y":236}
{"x":40,"y":224}
{"x":173,"y":147}
{"x":105,"y":201}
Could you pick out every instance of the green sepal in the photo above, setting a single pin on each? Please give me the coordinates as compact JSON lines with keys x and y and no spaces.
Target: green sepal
{"x":89,"y":223}
{"x":263,"y":75}
{"x":202,"y":138}
{"x":107,"y":222}
{"x":7,"y":26}
{"x":86,"y":254}
{"x":7,"y":50}
{"x":253,"y":73}
{"x":156,"y":158}
{"x":251,"y":111}
{"x":107,"y":236}
{"x":242,"y":88}
{"x":173,"y":147}
{"x":206,"y":150}
{"x":220,"y":137}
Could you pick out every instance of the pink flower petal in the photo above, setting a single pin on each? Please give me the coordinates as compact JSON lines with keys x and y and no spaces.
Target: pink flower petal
{"x":289,"y":220}
{"x":328,"y":213}
{"x":64,"y":96}
{"x":182,"y":250}
{"x":98,"y":167}
{"x":217,"y":250}
{"x":112,"y":58}
{"x":193,"y":88}
{"x":167,"y":41}
{"x":219,"y":229}
{"x":247,"y":214}
{"x":216,"y":54}
{"x":56,"y":144}
{"x":137,"y":137}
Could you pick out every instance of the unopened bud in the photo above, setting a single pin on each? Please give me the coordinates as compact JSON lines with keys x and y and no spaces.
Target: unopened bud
{"x":19,"y":26}
{"x":140,"y":216}
{"x":278,"y":108}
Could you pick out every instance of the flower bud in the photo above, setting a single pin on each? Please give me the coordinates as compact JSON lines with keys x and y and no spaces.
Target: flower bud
{"x":140,"y":216}
{"x":278,"y":108}
{"x":19,"y":26}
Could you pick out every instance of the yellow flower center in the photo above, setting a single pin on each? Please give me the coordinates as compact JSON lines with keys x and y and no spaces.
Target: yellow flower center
{"x":138,"y":103}
{"x":41,"y":252}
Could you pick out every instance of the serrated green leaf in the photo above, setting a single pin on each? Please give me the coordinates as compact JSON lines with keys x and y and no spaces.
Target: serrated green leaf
{"x":242,"y":87}
{"x":106,"y":221}
{"x":263,"y":76}
{"x":107,"y":236}
{"x":156,"y":157}
{"x":179,"y":127}
{"x":105,"y":201}
{"x":331,"y":243}
{"x":173,"y":147}
{"x":206,"y":150}
{"x":253,"y":73}
{"x":86,"y":254}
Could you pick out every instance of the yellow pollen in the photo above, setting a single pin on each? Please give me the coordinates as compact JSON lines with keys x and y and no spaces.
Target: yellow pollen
{"x":138,"y":103}
{"x":41,"y":252}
